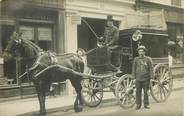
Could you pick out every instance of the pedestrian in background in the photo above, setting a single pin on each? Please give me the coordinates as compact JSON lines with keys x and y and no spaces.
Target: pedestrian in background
{"x":142,"y":70}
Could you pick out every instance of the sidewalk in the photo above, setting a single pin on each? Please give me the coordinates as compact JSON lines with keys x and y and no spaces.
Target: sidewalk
{"x":21,"y":106}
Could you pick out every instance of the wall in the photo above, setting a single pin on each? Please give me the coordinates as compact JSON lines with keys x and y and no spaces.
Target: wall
{"x":182,"y":3}
{"x":165,"y":2}
{"x":122,"y":11}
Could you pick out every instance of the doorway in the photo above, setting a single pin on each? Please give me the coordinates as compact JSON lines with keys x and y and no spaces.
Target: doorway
{"x":86,"y":39}
{"x":10,"y":65}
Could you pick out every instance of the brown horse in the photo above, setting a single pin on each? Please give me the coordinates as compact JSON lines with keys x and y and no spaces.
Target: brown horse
{"x":37,"y":60}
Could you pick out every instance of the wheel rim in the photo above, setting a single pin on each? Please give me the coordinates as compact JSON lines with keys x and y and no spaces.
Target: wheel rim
{"x":92,"y":93}
{"x":161,"y":84}
{"x":125,"y":91}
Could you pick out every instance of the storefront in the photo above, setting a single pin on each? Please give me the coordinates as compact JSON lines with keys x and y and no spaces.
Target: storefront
{"x":175,"y":25}
{"x":41,"y":22}
{"x":95,"y":14}
{"x":174,"y":20}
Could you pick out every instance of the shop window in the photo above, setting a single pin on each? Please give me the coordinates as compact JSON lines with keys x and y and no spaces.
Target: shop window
{"x":40,"y":35}
{"x":27,"y":32}
{"x":176,"y":34}
{"x":45,"y":37}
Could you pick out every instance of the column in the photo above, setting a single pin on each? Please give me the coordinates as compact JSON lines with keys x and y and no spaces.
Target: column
{"x":182,"y":3}
{"x":0,"y":31}
{"x":60,"y":27}
{"x":70,"y":40}
{"x":1,"y":59}
{"x":71,"y":32}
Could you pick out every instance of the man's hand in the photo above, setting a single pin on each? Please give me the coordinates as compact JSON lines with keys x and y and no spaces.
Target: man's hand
{"x":100,"y":42}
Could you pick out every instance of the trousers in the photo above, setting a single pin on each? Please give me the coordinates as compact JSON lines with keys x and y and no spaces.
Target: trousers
{"x":142,"y":85}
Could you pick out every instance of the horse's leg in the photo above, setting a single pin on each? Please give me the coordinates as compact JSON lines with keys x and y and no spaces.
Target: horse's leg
{"x":79,"y":89}
{"x":45,"y":86}
{"x":41,"y":98}
{"x":78,"y":104}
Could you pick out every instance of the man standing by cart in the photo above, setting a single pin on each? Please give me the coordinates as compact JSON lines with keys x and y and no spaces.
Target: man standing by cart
{"x":110,"y":39}
{"x":142,"y":70}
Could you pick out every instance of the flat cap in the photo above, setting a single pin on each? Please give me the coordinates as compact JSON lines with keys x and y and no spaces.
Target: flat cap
{"x":141,"y":47}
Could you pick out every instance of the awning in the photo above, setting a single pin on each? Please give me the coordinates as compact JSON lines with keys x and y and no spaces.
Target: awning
{"x":7,"y":22}
{"x":174,"y":16}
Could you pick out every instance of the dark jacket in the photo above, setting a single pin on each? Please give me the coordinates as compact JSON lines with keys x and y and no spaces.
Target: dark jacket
{"x":111,"y":36}
{"x":142,"y":68}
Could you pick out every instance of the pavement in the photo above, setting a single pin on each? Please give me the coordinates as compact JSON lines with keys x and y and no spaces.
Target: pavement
{"x":22,"y":106}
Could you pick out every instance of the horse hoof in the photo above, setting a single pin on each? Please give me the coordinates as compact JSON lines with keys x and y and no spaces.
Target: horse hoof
{"x":79,"y":109}
{"x":42,"y":114}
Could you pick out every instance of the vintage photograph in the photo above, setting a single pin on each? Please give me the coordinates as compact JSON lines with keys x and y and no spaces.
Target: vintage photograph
{"x":91,"y":57}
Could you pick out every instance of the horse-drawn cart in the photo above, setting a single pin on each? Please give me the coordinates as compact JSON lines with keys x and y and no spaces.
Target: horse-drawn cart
{"x":123,"y":85}
{"x":45,"y":68}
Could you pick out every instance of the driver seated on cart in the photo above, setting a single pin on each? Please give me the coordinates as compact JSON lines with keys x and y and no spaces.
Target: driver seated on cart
{"x":110,"y":39}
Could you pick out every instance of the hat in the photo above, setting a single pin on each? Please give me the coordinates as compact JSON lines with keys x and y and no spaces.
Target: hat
{"x":141,"y":47}
{"x":109,"y":18}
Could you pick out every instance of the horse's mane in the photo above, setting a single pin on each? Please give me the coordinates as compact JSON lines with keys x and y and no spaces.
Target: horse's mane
{"x":37,"y":49}
{"x":32,"y":45}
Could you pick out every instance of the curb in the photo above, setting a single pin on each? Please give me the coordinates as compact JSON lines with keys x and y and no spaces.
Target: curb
{"x":178,"y":89}
{"x":70,"y":107}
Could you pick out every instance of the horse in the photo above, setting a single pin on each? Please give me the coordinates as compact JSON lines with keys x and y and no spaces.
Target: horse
{"x":38,"y":61}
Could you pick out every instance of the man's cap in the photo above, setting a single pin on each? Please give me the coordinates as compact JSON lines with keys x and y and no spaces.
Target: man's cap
{"x":109,"y":18}
{"x":141,"y":47}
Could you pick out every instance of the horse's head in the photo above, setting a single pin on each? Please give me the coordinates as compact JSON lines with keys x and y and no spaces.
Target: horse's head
{"x":13,"y":46}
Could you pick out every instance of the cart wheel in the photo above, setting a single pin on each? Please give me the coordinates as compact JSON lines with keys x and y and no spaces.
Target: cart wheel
{"x":92,"y":92}
{"x":162,"y":83}
{"x":125,"y":91}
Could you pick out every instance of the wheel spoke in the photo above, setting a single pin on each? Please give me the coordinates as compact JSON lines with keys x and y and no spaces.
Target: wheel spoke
{"x":152,"y":80}
{"x":85,"y":91}
{"x":89,"y":98}
{"x":167,"y":79}
{"x":163,"y":72}
{"x":124,"y":83}
{"x":157,"y":92}
{"x":94,"y":86}
{"x":127,"y":99}
{"x":164,"y":93}
{"x":84,"y":96}
{"x":128,"y":82}
{"x":97,"y":97}
{"x":161,"y":97}
{"x":93,"y":98}
{"x":165,"y":88}
{"x":123,"y":99}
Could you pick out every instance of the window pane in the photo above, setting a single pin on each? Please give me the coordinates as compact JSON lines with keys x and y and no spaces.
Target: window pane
{"x":27,"y":32}
{"x":44,"y":34}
